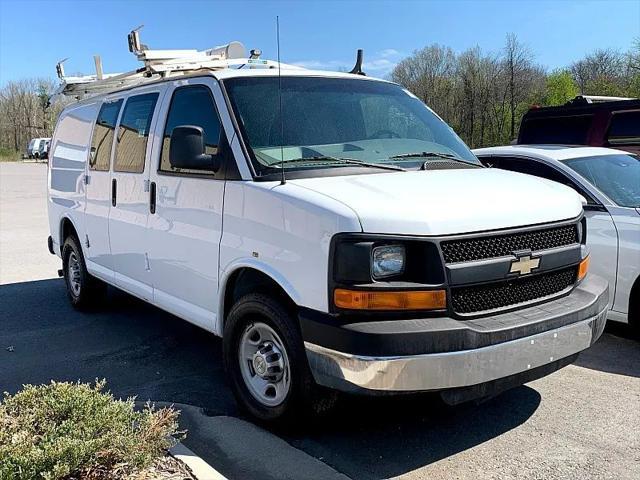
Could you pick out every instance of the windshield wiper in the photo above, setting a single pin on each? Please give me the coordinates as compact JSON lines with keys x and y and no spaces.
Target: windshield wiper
{"x":351,"y":161}
{"x":446,"y":156}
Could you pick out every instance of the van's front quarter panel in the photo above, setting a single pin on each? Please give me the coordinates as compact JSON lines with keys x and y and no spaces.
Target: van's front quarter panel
{"x":284,"y":231}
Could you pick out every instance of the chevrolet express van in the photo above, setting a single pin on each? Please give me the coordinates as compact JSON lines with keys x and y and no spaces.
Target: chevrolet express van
{"x":330,"y":227}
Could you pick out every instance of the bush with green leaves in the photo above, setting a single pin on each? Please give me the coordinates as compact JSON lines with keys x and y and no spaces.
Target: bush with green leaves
{"x":75,"y":430}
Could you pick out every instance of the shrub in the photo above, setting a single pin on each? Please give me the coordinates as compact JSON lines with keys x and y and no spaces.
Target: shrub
{"x":75,"y":430}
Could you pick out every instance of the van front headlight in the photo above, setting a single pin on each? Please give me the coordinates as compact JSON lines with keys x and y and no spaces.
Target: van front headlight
{"x":388,"y":261}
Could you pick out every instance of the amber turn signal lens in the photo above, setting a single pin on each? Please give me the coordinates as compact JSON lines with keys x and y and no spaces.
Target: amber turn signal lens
{"x":583,"y":268}
{"x":405,"y":300}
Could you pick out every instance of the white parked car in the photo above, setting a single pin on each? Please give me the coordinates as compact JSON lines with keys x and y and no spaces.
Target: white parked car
{"x":330,"y":227}
{"x":33,"y":148}
{"x":43,"y":150}
{"x":610,"y":182}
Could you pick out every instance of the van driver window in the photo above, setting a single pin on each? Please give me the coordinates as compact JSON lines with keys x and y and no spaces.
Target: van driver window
{"x":191,"y":105}
{"x":133,"y":132}
{"x":100,"y":157}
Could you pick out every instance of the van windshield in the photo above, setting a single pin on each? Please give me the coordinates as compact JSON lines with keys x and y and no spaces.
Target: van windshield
{"x":328,"y":119}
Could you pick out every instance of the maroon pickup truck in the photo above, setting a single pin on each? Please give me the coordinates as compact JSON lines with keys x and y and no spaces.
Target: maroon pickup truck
{"x":585,"y":120}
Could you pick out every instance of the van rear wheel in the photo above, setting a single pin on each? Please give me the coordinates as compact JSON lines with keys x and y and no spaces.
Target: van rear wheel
{"x":83,"y":289}
{"x":266,"y":363}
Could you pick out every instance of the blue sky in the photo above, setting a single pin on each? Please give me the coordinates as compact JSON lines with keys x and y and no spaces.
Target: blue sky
{"x":34,"y":35}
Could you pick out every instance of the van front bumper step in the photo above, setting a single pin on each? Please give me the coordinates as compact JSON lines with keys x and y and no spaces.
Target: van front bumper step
{"x":451,"y":369}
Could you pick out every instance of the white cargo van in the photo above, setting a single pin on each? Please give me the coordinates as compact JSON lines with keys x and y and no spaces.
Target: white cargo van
{"x":331,"y":228}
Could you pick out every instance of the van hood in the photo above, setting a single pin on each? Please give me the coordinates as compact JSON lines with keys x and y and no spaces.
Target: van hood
{"x":444,"y":202}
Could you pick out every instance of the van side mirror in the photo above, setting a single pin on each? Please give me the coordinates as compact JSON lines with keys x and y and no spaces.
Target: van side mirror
{"x":187,"y":150}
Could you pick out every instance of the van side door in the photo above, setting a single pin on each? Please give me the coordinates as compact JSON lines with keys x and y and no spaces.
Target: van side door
{"x":98,"y":192}
{"x":130,"y":193}
{"x":185,"y":224}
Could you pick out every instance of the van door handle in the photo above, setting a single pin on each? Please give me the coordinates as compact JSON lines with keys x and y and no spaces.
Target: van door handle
{"x":114,"y":188}
{"x":152,"y":197}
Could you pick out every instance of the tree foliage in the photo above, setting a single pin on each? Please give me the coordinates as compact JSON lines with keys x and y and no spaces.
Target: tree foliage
{"x":483,"y":95}
{"x":24,"y":112}
{"x":559,"y":88}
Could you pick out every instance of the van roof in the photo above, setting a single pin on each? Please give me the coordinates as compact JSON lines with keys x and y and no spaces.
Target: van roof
{"x":228,"y":73}
{"x":286,"y":72}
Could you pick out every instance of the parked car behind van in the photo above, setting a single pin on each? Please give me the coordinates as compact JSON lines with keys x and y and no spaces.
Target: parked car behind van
{"x":346,"y":240}
{"x":33,"y":147}
{"x":585,"y":120}
{"x":36,"y":146}
{"x":43,"y":150}
{"x":610,"y":182}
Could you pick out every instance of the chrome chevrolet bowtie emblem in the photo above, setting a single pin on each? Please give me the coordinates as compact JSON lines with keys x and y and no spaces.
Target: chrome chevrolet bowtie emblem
{"x":524,"y":265}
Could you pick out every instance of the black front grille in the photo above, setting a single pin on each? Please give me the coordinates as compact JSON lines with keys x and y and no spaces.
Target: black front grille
{"x":466,"y":250}
{"x":466,"y":300}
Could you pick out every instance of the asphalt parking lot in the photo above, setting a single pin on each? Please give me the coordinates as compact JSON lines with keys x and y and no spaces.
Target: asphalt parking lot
{"x":580,"y":422}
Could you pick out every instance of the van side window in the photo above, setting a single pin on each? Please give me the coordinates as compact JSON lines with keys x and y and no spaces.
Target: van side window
{"x":131,"y":145}
{"x":100,"y":157}
{"x":624,"y":129}
{"x":192,"y":105}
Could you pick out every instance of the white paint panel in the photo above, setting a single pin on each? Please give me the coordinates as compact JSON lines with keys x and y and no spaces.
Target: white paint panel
{"x":444,"y":202}
{"x":284,"y":231}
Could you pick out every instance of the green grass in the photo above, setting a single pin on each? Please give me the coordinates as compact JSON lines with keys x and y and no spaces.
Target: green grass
{"x":76,"y":431}
{"x":9,"y":155}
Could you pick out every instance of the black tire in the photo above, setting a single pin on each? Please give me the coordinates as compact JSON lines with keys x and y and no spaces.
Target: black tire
{"x":91,"y":290}
{"x":305,"y":398}
{"x":634,"y":312}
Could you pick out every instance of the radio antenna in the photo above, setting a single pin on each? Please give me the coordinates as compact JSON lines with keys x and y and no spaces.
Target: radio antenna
{"x":283,"y":180}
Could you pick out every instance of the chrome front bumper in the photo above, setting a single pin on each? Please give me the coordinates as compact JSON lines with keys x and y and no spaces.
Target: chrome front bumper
{"x":453,"y":369}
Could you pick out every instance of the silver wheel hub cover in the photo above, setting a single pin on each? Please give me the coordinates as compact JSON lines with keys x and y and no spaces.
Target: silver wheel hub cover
{"x":267,"y":362}
{"x":264,"y":364}
{"x":73,"y":274}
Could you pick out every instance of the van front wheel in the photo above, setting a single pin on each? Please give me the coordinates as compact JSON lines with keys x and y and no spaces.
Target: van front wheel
{"x":83,"y":289}
{"x":266,"y":363}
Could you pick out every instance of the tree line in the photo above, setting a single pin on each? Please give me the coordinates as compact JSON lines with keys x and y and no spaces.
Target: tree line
{"x":481,"y":95}
{"x":484,"y":95}
{"x":25,"y":113}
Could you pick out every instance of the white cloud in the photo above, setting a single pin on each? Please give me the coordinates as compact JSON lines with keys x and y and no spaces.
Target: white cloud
{"x":389,"y":53}
{"x":380,"y":64}
{"x":321,"y":65}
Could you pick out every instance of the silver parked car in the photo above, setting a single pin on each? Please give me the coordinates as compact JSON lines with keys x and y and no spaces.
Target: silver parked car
{"x":610,"y":182}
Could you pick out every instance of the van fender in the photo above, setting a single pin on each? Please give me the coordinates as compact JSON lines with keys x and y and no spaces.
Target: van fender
{"x":68,"y":216}
{"x":261,"y":267}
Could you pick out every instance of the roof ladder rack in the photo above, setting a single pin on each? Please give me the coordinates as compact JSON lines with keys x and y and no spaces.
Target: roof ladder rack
{"x":158,"y":64}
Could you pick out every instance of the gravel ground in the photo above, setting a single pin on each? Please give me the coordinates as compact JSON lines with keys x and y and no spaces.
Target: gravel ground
{"x":582,"y":422}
